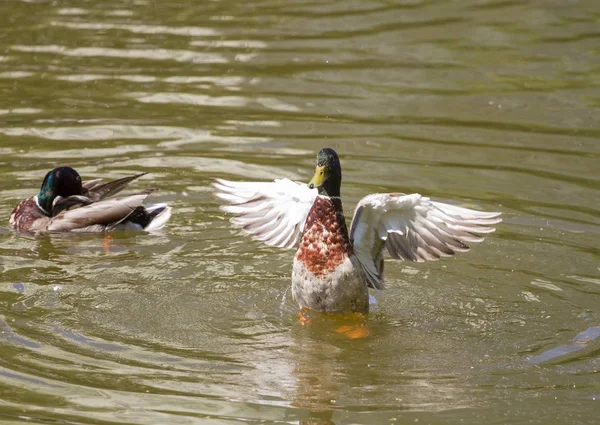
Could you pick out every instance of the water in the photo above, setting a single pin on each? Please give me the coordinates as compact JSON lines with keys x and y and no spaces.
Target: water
{"x":493,"y":105}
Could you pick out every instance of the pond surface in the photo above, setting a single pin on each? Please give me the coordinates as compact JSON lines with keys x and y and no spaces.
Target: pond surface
{"x":493,"y":105}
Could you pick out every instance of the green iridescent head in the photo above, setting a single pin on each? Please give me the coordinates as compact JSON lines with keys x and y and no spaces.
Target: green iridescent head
{"x":62,"y":181}
{"x":328,"y":173}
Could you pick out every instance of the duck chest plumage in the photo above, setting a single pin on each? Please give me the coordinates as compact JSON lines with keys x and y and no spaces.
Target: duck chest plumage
{"x":325,"y":243}
{"x":325,"y":276}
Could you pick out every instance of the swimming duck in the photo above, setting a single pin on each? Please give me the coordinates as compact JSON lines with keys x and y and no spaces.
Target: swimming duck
{"x":333,"y":267}
{"x":65,"y":204}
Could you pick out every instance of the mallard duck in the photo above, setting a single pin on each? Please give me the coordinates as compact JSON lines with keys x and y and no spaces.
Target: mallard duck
{"x":334,"y":268}
{"x":65,"y":204}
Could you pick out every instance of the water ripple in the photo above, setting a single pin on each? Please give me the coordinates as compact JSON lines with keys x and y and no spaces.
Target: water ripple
{"x":150,"y":54}
{"x":139,"y":29}
{"x":488,"y":104}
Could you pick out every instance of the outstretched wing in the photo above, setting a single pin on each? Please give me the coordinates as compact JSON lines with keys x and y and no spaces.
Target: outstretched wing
{"x":272,"y":212}
{"x":414,"y":228}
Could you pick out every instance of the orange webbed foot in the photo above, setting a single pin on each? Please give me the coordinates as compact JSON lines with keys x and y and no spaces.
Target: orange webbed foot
{"x":356,"y":330}
{"x":353,"y":332}
{"x":303,"y":316}
{"x":106,"y":243}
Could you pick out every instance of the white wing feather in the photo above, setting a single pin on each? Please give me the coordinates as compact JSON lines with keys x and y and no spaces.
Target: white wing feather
{"x":414,"y":228}
{"x":272,"y":212}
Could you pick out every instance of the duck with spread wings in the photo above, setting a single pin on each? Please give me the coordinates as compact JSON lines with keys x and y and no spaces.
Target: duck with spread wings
{"x":333,"y":267}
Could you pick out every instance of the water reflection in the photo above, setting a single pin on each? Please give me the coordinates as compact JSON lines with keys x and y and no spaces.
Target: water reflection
{"x":206,"y":100}
{"x":584,"y":341}
{"x":150,"y":54}
{"x":139,"y":29}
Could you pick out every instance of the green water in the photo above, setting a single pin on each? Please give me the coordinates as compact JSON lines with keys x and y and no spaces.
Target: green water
{"x":492,"y":105}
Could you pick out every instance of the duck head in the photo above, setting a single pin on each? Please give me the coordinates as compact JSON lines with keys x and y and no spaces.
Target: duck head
{"x":328,"y":173}
{"x":63,"y":182}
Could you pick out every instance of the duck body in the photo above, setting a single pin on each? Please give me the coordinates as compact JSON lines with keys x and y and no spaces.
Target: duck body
{"x":65,"y":204}
{"x":27,"y":215}
{"x":334,"y":268}
{"x":325,"y":275}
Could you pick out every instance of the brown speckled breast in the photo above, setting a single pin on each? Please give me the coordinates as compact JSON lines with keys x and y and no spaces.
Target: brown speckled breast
{"x":325,"y":243}
{"x":27,"y":217}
